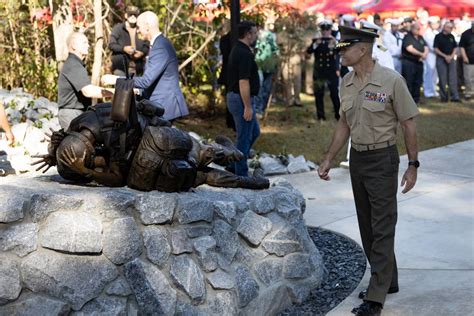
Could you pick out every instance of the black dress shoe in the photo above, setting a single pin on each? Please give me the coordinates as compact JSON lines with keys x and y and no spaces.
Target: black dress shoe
{"x":368,"y":308}
{"x":391,"y":290}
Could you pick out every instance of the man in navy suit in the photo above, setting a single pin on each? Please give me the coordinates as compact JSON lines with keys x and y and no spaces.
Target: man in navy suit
{"x":160,"y":81}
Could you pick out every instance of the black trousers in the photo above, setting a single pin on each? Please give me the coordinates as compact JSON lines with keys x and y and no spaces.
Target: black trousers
{"x":319,"y":86}
{"x":374,"y":177}
{"x":412,"y":71}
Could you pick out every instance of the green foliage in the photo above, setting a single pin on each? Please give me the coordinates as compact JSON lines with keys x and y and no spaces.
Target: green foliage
{"x":27,"y":57}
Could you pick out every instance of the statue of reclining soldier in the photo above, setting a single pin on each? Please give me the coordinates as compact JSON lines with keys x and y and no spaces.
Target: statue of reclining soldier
{"x":140,"y":150}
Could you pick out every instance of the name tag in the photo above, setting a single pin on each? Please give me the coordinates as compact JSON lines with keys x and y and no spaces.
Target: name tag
{"x":376,"y":96}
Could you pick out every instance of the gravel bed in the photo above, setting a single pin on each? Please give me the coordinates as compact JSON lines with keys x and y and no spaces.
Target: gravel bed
{"x":345,"y":265}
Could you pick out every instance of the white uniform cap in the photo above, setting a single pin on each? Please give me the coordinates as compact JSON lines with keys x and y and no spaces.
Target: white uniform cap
{"x":433,"y":19}
{"x":370,"y":26}
{"x":348,"y":18}
{"x":394,"y":21}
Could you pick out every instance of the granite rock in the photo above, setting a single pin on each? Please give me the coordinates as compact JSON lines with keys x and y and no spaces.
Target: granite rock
{"x":254,"y":227}
{"x":122,"y":241}
{"x":119,"y":287}
{"x":187,"y":276}
{"x":179,"y":242}
{"x":10,"y":286}
{"x":74,"y":232}
{"x":153,"y":292}
{"x":283,"y":242}
{"x":50,"y":272}
{"x":20,"y":239}
{"x":156,"y":207}
{"x":194,"y":209}
{"x":156,"y":243}
{"x":297,"y":266}
{"x":220,"y":280}
{"x":12,"y":205}
{"x":30,"y":304}
{"x":228,"y":241}
{"x":269,"y":271}
{"x":104,"y":305}
{"x":42,"y":204}
{"x":247,"y":287}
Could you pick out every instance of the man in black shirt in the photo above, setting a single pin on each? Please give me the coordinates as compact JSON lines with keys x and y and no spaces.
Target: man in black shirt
{"x":467,"y":53}
{"x":75,"y":91}
{"x":414,"y":51}
{"x":445,"y":50}
{"x":243,"y":84}
{"x":127,"y":49}
{"x":225,"y":46}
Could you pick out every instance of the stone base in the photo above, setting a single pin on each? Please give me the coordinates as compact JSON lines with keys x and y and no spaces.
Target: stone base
{"x":100,"y":250}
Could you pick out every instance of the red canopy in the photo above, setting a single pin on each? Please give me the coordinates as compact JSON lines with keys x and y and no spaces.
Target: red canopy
{"x":443,"y":8}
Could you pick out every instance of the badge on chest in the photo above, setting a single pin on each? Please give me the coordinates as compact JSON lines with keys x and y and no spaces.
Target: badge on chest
{"x":375,"y":96}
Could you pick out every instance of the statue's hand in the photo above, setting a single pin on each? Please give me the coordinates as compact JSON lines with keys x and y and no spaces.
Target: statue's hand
{"x":47,"y":162}
{"x":70,"y":159}
{"x":56,"y":137}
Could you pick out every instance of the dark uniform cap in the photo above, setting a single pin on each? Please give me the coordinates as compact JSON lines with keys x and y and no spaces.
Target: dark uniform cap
{"x":350,"y":35}
{"x":325,"y":25}
{"x":132,"y":10}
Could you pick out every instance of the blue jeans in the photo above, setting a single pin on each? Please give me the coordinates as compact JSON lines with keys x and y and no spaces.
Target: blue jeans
{"x":247,"y":131}
{"x":264,"y":92}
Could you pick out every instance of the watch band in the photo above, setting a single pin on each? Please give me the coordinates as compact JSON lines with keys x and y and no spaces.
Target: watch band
{"x":414,"y":163}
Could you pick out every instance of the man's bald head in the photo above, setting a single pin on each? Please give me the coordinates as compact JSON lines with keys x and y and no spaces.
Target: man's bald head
{"x":148,"y":25}
{"x":78,"y":44}
{"x":74,"y":38}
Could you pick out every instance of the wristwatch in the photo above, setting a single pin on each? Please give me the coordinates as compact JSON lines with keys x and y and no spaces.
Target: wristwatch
{"x":414,"y":163}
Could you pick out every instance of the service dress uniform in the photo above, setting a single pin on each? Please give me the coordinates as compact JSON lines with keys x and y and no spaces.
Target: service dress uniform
{"x":326,"y":65}
{"x":373,"y":111}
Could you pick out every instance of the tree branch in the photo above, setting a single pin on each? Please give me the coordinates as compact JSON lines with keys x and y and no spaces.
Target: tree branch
{"x":196,"y":53}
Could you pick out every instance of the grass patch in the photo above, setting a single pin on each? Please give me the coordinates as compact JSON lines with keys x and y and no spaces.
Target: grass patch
{"x":296,"y":131}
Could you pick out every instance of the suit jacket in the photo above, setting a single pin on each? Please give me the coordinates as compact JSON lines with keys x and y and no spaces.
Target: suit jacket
{"x":160,"y":81}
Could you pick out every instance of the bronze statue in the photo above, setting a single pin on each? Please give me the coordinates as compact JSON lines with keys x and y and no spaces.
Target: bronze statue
{"x":116,"y":144}
{"x":169,"y":160}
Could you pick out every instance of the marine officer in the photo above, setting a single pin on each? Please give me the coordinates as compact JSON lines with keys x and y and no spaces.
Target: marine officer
{"x":374,"y":101}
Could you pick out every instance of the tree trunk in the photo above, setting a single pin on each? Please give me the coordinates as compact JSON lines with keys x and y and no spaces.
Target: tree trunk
{"x":62,"y":28}
{"x":99,"y":42}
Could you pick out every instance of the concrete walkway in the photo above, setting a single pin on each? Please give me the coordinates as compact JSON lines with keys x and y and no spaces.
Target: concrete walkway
{"x":435,"y":231}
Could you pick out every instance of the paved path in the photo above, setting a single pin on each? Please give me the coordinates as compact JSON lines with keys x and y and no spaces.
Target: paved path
{"x":435,"y":231}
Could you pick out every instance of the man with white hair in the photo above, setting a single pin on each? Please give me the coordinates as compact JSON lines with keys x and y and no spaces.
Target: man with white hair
{"x":430,"y":75}
{"x":160,"y":81}
{"x":392,"y":40}
{"x":75,"y":91}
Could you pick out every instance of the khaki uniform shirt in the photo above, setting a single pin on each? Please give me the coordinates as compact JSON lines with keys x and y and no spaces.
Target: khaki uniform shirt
{"x":373,"y":111}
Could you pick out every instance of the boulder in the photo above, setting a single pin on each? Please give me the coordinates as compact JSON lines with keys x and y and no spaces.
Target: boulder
{"x":122,"y":240}
{"x":41,"y":204}
{"x":10,"y":287}
{"x":30,"y":304}
{"x":157,"y":246}
{"x":49,"y":272}
{"x":156,"y":207}
{"x":187,"y":276}
{"x":74,"y":232}
{"x":152,"y":290}
{"x":21,"y":239}
{"x":254,"y":227}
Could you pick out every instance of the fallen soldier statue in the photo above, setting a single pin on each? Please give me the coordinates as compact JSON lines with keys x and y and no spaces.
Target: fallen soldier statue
{"x":117,"y":144}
